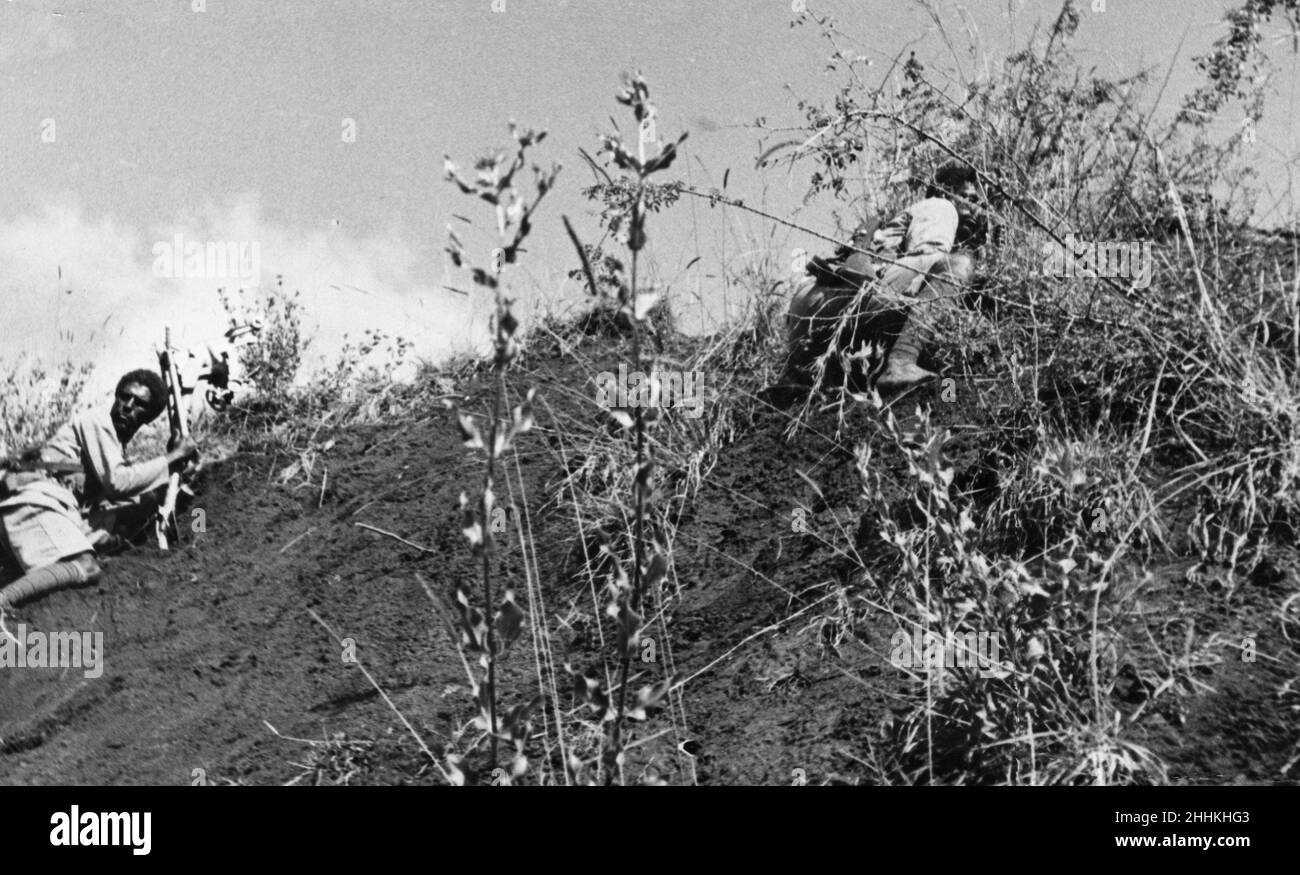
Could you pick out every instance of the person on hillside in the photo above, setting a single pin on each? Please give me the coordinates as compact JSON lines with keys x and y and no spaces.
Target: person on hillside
{"x":814,"y":320}
{"x":923,"y":267}
{"x":79,"y":493}
{"x":909,"y":260}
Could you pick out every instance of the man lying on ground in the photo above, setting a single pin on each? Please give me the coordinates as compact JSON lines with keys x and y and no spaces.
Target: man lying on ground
{"x":910,"y":260}
{"x":79,"y":494}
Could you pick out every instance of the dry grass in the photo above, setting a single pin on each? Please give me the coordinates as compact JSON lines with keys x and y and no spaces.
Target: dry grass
{"x":1124,"y":424}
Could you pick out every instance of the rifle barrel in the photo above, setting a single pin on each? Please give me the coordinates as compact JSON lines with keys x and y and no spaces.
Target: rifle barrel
{"x":27,"y":466}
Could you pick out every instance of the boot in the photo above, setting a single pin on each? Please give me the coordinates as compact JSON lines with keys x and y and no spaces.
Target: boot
{"x":901,"y":370}
{"x":73,"y":573}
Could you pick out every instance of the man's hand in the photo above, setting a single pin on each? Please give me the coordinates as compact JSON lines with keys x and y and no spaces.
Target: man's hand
{"x":185,"y":450}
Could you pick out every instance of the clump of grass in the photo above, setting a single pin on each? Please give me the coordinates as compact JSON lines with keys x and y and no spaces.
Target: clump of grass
{"x":36,"y":400}
{"x":335,"y":761}
{"x":605,"y":278}
{"x":1044,"y":712}
{"x":1083,"y":493}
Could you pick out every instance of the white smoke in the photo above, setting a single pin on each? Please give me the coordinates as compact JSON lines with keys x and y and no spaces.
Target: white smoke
{"x":87,"y":290}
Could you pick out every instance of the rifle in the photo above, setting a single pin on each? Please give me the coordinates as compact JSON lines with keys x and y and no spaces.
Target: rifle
{"x":17,"y":472}
{"x":25,"y":465}
{"x":178,"y":415}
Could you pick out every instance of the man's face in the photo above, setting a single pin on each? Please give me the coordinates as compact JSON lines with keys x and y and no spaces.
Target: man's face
{"x":967,"y":200}
{"x":132,"y":409}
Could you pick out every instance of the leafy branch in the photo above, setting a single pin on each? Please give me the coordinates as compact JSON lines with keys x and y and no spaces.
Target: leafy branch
{"x":495,"y":183}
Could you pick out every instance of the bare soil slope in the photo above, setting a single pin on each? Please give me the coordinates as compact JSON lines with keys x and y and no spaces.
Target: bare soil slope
{"x":207,"y":645}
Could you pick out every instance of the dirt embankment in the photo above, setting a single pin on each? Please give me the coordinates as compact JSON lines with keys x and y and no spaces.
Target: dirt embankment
{"x":207,"y":645}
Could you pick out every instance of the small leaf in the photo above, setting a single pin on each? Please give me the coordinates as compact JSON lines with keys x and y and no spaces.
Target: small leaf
{"x":522,"y":417}
{"x":454,"y":774}
{"x":656,"y":570}
{"x":643,"y":473}
{"x":645,"y":302}
{"x":454,"y":248}
{"x":589,"y":692}
{"x":509,"y":324}
{"x":450,"y":173}
{"x":509,"y":621}
{"x":964,"y":522}
{"x":665,"y":158}
{"x":469,"y":433}
{"x":518,"y":766}
{"x":650,"y":695}
{"x":483,"y":721}
{"x":515,"y":211}
{"x":507,"y":352}
{"x":472,"y":628}
{"x":470,"y":526}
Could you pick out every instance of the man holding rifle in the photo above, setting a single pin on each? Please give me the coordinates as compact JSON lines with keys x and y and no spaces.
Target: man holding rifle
{"x":916,"y":262}
{"x":79,"y":493}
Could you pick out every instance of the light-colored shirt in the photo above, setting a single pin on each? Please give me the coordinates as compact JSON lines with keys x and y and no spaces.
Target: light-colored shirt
{"x":91,"y":440}
{"x":927,"y":226}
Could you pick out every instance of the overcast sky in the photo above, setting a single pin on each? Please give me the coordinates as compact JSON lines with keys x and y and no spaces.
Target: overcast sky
{"x":126,"y":122}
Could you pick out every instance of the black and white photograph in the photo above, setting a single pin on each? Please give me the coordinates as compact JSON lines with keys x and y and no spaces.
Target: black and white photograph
{"x":560,"y":393}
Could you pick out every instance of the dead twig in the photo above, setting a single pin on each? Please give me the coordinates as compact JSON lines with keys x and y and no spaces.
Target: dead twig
{"x":395,"y":537}
{"x":296,"y":540}
{"x":400,"y":716}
